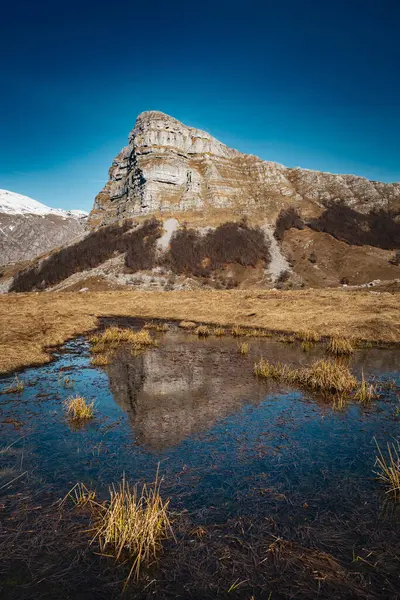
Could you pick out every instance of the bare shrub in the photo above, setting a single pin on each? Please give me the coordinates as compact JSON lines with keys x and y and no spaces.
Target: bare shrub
{"x":190,"y":252}
{"x":287,"y":219}
{"x":377,"y":228}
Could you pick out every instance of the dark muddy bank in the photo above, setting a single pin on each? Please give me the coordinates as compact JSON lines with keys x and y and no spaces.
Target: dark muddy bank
{"x":273,"y":491}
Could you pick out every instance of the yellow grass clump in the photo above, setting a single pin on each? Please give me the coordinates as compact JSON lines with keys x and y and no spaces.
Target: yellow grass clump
{"x":132,"y":524}
{"x":162,"y":327}
{"x":388,"y":467}
{"x":219,"y":331}
{"x":101,"y":360}
{"x":322,"y":376}
{"x":365,"y":391}
{"x":307,"y":335}
{"x":244,"y":348}
{"x":78,"y":408}
{"x":202,"y":331}
{"x":340,"y":346}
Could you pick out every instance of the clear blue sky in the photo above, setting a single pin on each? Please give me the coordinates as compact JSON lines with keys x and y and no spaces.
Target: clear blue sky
{"x":311,"y":84}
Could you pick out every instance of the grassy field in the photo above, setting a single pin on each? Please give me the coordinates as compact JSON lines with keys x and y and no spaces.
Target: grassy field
{"x":31,"y":323}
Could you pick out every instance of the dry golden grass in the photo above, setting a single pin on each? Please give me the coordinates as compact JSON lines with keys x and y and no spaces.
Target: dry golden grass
{"x":202,"y":331}
{"x":78,"y":408}
{"x":243,"y":348}
{"x":101,"y":360}
{"x":132,"y":524}
{"x":322,"y":376}
{"x":162,"y":327}
{"x":340,"y":346}
{"x":365,"y":391}
{"x":32,"y":323}
{"x":388,"y":467}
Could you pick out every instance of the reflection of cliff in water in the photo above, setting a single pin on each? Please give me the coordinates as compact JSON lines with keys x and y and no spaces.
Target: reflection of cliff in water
{"x":180,"y":389}
{"x":187,"y":385}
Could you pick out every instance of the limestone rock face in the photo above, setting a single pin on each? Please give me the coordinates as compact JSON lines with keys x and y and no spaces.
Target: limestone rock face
{"x":169,"y":167}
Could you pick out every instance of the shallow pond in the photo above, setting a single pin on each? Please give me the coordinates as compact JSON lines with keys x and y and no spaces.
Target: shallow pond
{"x":240,"y":458}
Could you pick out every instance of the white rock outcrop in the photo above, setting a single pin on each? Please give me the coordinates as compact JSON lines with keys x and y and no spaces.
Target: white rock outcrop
{"x":169,"y":167}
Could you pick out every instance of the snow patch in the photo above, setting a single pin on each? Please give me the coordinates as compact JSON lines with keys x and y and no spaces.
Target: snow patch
{"x":12,"y":203}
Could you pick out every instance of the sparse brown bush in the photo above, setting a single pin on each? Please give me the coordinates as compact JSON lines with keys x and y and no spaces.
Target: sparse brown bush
{"x":377,"y":228}
{"x":287,"y":219}
{"x":196,"y":254}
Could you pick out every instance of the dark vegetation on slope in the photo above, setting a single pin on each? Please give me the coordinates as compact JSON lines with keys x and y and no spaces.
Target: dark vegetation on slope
{"x":378,"y":228}
{"x":93,"y":250}
{"x":199,"y":255}
{"x":191,"y":253}
{"x":287,"y":219}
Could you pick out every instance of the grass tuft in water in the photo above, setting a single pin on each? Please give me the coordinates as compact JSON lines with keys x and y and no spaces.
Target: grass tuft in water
{"x":219,"y":331}
{"x":80,"y":495}
{"x":340,"y":346}
{"x":365,"y":391}
{"x":243,"y":348}
{"x":388,"y":467}
{"x":162,"y":327}
{"x":78,"y":408}
{"x":101,"y":360}
{"x":132,"y":524}
{"x":16,"y":387}
{"x":307,"y":335}
{"x":322,"y":376}
{"x":202,"y":331}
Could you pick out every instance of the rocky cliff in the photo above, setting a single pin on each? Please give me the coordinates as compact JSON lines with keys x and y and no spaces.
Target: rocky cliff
{"x":168,"y":167}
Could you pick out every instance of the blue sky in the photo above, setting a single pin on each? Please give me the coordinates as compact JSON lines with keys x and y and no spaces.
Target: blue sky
{"x":311,"y":84}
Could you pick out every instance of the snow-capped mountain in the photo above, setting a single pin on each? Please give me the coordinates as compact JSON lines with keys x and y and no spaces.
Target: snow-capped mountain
{"x":12,"y":203}
{"x":29,"y":228}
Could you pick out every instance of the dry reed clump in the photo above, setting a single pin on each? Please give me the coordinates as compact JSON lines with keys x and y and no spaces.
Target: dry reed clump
{"x":306,"y":335}
{"x":101,"y":360}
{"x":112,"y":337}
{"x":162,"y":327}
{"x":388,"y":467}
{"x":132,"y":524}
{"x":365,"y":391}
{"x":202,"y":331}
{"x":219,"y":331}
{"x":340,"y":346}
{"x":80,"y":495}
{"x":322,"y":376}
{"x":187,"y":325}
{"x":243,"y":348}
{"x":78,"y":408}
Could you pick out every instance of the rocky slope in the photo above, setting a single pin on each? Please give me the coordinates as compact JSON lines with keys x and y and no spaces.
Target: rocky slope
{"x":29,"y":228}
{"x":168,"y":167}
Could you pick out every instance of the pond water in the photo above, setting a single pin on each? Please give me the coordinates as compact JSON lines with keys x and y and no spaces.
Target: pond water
{"x":229,"y":448}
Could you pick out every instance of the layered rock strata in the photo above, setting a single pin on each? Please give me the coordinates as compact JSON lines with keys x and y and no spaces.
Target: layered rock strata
{"x":168,"y":167}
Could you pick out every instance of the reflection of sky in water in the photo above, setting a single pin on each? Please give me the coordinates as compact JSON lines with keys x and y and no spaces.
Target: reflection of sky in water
{"x":224,"y":439}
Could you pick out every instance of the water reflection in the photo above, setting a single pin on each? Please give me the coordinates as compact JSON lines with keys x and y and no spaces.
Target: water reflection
{"x":186,"y":385}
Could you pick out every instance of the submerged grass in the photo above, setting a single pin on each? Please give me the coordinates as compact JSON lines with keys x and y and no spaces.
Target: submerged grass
{"x":340,"y":346}
{"x":132,"y":524}
{"x":365,"y":391}
{"x":16,"y":387}
{"x":78,"y":408}
{"x":388,"y":467}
